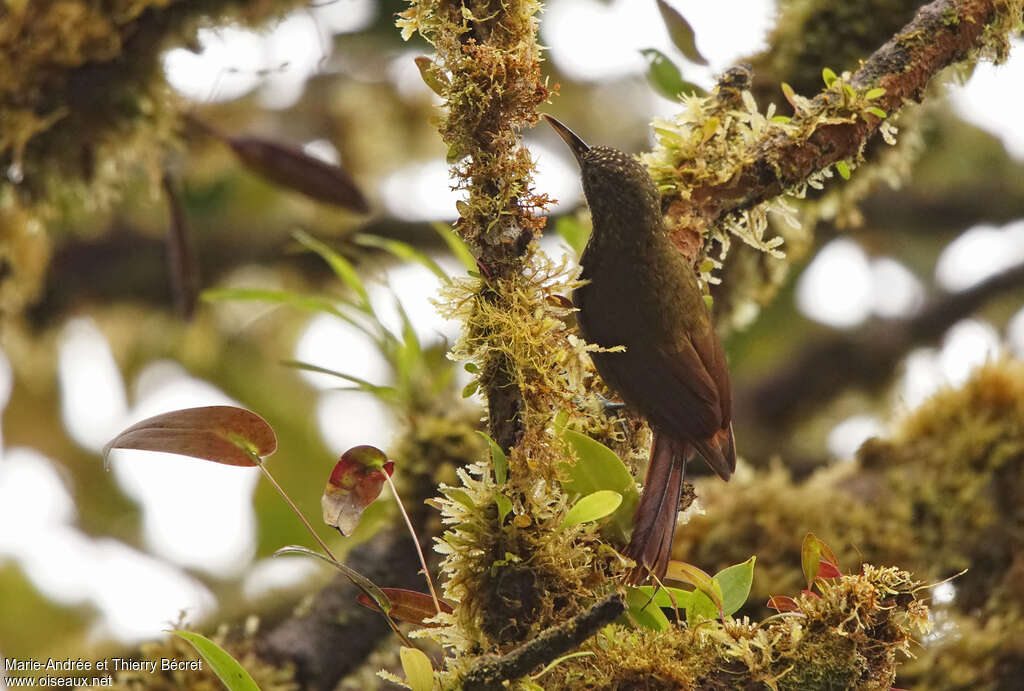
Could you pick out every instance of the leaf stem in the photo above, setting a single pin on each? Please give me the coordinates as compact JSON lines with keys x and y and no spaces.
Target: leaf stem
{"x":284,"y":495}
{"x":415,"y":541}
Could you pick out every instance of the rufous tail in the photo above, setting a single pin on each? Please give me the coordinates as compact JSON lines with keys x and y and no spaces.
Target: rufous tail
{"x":655,"y":520}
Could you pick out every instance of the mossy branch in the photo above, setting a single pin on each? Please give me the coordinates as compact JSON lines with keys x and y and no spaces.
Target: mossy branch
{"x":942,"y":33}
{"x":489,"y":671}
{"x":869,"y":356}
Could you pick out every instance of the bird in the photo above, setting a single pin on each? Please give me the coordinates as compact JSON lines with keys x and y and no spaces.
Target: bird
{"x":640,"y":292}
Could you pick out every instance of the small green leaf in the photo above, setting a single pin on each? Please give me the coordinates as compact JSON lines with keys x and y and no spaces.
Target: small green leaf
{"x":419,"y":673}
{"x":701,"y":607}
{"x":592,"y":507}
{"x":850,"y":93}
{"x":829,"y":77}
{"x":460,"y":496}
{"x":681,"y":33}
{"x":665,"y":77}
{"x":735,"y":584}
{"x":227,"y":669}
{"x":498,"y":459}
{"x":597,"y":468}
{"x":782,"y":119}
{"x":644,"y":611}
{"x":456,"y":245}
{"x":843,"y":169}
{"x":433,"y":78}
{"x":877,"y":112}
{"x":470,"y":388}
{"x":665,"y":596}
{"x":790,"y":95}
{"x":573,"y":232}
{"x":504,"y":505}
{"x":688,"y":573}
{"x":812,"y":552}
{"x":872,"y":94}
{"x":403,"y":251}
{"x":709,"y":301}
{"x":472,"y":368}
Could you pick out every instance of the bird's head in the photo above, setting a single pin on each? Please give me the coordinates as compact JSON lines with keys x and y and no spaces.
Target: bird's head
{"x":609,"y":175}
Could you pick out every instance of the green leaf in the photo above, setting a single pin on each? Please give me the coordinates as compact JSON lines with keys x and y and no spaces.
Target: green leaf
{"x":360,"y":581}
{"x":735,"y":585}
{"x":812,"y":552}
{"x":456,"y":245}
{"x":643,"y":610}
{"x":311,"y":303}
{"x":386,"y":393}
{"x":872,"y":94}
{"x":681,"y":33}
{"x":433,"y":78}
{"x":573,"y":232}
{"x":877,"y":112}
{"x":829,"y":77}
{"x":705,"y":584}
{"x":232,"y":675}
{"x":504,"y":505}
{"x":592,"y":507}
{"x":470,"y":388}
{"x":419,"y":673}
{"x":498,"y":459}
{"x":598,"y":468}
{"x":843,"y":169}
{"x":665,"y":77}
{"x":219,"y":433}
{"x":460,"y":496}
{"x":403,"y":251}
{"x":665,"y":596}
{"x":341,"y":267}
{"x":701,"y":607}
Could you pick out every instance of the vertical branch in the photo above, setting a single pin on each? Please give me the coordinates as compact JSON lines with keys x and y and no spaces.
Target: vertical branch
{"x":487,"y":68}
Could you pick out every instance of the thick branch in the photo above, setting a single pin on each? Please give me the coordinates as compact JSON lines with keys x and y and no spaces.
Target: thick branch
{"x":336,"y":635}
{"x":942,"y":33}
{"x":489,"y":672}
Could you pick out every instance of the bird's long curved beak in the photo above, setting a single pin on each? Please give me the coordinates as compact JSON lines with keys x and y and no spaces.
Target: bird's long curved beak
{"x":577,"y":145}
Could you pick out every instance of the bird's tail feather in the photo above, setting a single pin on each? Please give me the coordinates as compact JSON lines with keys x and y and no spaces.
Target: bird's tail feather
{"x":720,"y":452}
{"x":655,"y":519}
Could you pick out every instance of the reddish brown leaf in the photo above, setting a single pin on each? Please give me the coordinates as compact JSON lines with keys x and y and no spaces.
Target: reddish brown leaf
{"x":219,"y":433}
{"x":828,"y":570}
{"x":298,"y":171}
{"x":408,"y":605}
{"x":355,"y":482}
{"x":811,"y":594}
{"x":783,"y":603}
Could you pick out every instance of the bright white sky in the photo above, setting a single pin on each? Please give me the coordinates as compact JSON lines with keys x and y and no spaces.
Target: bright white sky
{"x":139,"y":593}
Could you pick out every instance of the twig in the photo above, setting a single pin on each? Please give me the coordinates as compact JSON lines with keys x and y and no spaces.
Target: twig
{"x":415,"y":541}
{"x":181,"y":259}
{"x":490,"y":671}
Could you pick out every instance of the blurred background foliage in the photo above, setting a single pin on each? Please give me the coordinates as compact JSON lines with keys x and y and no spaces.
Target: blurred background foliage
{"x":900,"y":290}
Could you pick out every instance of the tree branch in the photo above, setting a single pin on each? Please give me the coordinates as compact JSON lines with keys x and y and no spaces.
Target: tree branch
{"x":941,"y":33}
{"x":868,"y":357}
{"x":490,"y":671}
